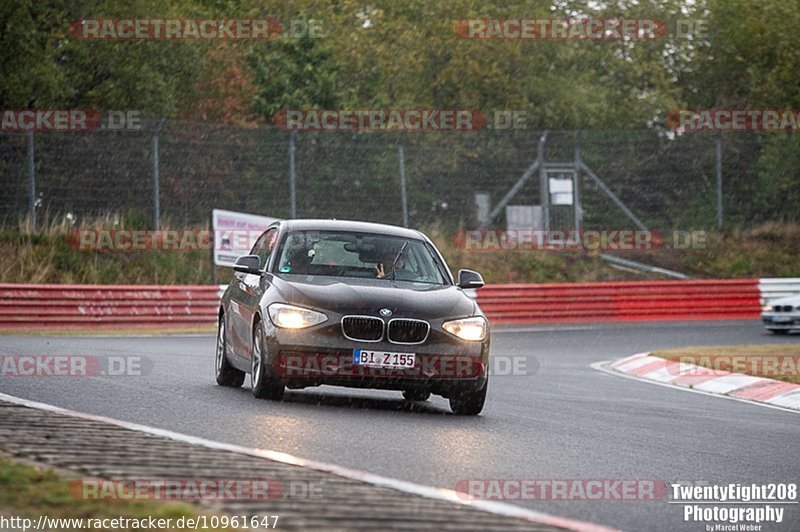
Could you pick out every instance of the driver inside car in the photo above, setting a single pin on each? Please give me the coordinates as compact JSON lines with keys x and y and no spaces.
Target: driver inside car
{"x":300,"y":260}
{"x":387,"y":265}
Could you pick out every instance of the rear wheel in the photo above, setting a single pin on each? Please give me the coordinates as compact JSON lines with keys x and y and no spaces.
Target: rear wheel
{"x":469,"y":403}
{"x":224,"y":372}
{"x":263,"y":384}
{"x":416,"y":395}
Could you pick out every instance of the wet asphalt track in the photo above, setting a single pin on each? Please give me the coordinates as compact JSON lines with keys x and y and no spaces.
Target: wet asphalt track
{"x":563,"y":420}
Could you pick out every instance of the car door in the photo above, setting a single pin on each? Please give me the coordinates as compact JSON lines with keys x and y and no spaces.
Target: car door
{"x":246,"y":290}
{"x":250,"y":288}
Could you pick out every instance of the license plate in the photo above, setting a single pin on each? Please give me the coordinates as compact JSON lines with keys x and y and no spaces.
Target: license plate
{"x":782,"y":319}
{"x":382,"y":359}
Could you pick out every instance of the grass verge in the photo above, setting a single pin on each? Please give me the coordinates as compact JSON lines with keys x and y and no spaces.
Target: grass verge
{"x":30,"y":492}
{"x":767,"y":250}
{"x":772,"y":361}
{"x":49,"y":255}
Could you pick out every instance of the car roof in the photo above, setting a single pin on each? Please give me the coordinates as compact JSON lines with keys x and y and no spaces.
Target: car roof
{"x":350,"y":225}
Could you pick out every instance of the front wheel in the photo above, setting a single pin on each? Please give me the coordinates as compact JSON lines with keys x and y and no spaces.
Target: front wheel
{"x":469,"y":403}
{"x":263,"y":384}
{"x":224,"y":372}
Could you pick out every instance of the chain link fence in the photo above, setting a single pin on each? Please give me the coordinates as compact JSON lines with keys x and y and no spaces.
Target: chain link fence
{"x":667,"y":181}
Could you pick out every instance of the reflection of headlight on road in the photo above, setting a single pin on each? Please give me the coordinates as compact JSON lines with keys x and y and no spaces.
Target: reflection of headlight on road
{"x":291,"y":317}
{"x":471,"y":329}
{"x":766,"y":308}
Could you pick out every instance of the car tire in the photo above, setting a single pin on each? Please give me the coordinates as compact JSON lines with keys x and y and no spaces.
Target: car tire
{"x":469,"y":403}
{"x":264,"y":385}
{"x":416,"y":395}
{"x":225,"y":373}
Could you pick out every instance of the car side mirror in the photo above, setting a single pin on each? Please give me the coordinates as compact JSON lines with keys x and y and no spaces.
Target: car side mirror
{"x":469,"y":279}
{"x":248,"y":264}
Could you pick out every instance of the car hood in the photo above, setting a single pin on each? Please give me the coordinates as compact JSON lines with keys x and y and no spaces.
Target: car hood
{"x":790,"y":300}
{"x":369,"y":296}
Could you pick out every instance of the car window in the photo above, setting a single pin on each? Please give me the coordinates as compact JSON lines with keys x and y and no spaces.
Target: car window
{"x":330,"y":252}
{"x":264,"y":247}
{"x":351,"y":254}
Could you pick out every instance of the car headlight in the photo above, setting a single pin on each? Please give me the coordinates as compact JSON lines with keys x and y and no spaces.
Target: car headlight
{"x":766,"y":308}
{"x":291,"y":317}
{"x":472,"y":329}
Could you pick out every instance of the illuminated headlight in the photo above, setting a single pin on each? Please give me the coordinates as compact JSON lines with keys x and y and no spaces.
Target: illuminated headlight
{"x":472,"y":329}
{"x":291,"y":317}
{"x":766,"y":308}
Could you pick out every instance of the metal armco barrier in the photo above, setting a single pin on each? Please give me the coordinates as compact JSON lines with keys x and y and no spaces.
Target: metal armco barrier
{"x":776,"y":288}
{"x":68,"y":306}
{"x":89,"y":306}
{"x":624,"y":301}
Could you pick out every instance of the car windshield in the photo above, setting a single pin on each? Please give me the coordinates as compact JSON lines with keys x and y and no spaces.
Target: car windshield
{"x":365,"y":255}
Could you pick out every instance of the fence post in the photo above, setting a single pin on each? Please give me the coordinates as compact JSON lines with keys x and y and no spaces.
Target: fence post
{"x":576,"y":180}
{"x":156,"y":194}
{"x":718,"y":142}
{"x":403,"y":195}
{"x":292,"y":177}
{"x":31,"y":182}
{"x":544,"y":186}
{"x":213,"y":247}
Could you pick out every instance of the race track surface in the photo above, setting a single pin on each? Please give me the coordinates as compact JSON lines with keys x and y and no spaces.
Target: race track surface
{"x":561,"y":420}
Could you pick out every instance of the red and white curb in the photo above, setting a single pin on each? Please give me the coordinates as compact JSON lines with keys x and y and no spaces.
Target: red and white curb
{"x":756,"y":390}
{"x":441,"y":494}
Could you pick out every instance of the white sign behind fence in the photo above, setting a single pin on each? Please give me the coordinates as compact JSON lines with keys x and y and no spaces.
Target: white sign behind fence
{"x":235,"y":233}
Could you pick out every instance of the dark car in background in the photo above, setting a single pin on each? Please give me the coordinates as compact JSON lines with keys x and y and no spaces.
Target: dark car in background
{"x":352,"y":304}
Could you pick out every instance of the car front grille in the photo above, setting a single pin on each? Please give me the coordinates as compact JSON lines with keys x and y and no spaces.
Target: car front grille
{"x":406,"y":331}
{"x":784,"y":308}
{"x":362,"y":328}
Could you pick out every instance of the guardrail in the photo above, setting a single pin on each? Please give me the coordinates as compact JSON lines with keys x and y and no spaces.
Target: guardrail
{"x":779,"y":287}
{"x":69,"y":306}
{"x":624,"y":301}
{"x":66,"y":306}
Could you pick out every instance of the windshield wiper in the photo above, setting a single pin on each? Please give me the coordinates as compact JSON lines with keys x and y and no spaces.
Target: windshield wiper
{"x":394,"y":263}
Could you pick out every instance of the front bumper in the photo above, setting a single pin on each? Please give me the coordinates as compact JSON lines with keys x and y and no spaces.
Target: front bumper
{"x":444,"y":365}
{"x":782,"y":321}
